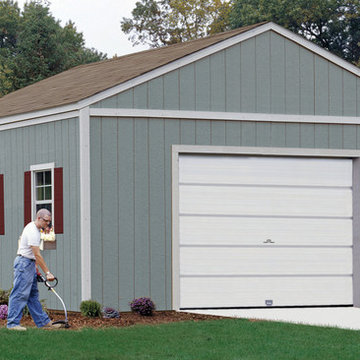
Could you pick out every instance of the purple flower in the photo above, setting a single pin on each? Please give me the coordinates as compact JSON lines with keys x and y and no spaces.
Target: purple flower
{"x":142,"y":306}
{"x":109,"y":313}
{"x":3,"y":312}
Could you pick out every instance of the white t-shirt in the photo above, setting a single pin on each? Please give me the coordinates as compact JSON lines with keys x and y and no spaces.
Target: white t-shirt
{"x":29,"y":237}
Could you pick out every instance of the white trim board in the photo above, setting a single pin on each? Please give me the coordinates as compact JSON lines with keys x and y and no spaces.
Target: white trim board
{"x":197,"y":55}
{"x":14,"y":124}
{"x":85,"y":209}
{"x":226,"y":116}
{"x":55,"y":111}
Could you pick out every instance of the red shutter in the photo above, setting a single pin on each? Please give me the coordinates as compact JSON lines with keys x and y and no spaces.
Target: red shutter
{"x":2,"y":207}
{"x":27,"y":197}
{"x":58,"y":201}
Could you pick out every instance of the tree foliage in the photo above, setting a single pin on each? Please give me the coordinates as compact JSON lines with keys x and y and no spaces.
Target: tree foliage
{"x":34,"y":46}
{"x":166,"y":22}
{"x":332,"y":24}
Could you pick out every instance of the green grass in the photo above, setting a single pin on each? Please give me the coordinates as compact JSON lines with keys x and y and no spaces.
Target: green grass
{"x":221,"y":339}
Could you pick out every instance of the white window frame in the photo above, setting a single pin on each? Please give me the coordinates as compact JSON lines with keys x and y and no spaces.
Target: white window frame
{"x":34,"y":169}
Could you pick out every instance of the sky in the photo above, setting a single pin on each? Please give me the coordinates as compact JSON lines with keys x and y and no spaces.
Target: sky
{"x":99,"y":21}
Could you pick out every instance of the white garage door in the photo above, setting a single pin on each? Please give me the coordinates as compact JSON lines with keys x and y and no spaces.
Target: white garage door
{"x":264,"y":231}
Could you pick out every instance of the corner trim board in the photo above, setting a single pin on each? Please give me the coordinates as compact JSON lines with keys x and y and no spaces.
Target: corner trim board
{"x":85,"y":210}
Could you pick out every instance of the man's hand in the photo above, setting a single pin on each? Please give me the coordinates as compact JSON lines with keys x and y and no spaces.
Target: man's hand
{"x":50,"y":277}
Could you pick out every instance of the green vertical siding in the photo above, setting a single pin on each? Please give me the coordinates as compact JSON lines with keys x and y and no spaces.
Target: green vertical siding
{"x":277,"y":74}
{"x":264,"y":74}
{"x":202,"y":85}
{"x":292,"y":78}
{"x":262,"y":70}
{"x":233,"y":78}
{"x":321,"y":86}
{"x":19,"y":149}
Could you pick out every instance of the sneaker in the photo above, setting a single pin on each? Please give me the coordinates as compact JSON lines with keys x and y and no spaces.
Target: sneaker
{"x":18,"y":328}
{"x":50,"y":325}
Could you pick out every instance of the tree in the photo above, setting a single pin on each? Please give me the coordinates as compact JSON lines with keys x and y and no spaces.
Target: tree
{"x":9,"y":23}
{"x":332,"y":24}
{"x":34,"y":46}
{"x":166,"y":22}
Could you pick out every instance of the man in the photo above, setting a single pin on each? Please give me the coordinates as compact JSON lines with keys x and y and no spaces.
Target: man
{"x":25,"y":290}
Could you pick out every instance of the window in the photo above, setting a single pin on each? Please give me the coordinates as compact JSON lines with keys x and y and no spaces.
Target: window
{"x":43,"y":188}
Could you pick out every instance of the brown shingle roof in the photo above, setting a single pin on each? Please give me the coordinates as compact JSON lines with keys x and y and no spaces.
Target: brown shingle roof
{"x":84,"y":81}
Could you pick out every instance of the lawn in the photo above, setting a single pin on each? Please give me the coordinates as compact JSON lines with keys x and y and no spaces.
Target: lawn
{"x":220,"y":339}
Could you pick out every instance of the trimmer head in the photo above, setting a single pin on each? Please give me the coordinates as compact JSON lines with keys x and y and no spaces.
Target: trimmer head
{"x":65,"y":323}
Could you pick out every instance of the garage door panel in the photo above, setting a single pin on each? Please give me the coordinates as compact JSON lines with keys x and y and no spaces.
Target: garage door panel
{"x":253,"y":292}
{"x":254,"y":229}
{"x":230,"y":261}
{"x":203,"y":230}
{"x":260,"y":201}
{"x":213,"y":169}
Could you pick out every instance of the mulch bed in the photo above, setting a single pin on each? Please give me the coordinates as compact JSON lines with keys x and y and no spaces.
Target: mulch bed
{"x":78,"y":321}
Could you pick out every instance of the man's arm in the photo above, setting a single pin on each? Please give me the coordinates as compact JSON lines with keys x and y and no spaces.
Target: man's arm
{"x":41,"y":262}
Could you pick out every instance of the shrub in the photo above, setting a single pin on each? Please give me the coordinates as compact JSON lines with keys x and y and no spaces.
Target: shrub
{"x":90,"y":308}
{"x":109,"y":313}
{"x":143,"y":306}
{"x":4,"y":296}
{"x":26,"y":311}
{"x":3,"y":312}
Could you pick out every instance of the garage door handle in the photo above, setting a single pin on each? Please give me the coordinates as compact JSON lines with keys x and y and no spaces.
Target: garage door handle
{"x":269,"y":241}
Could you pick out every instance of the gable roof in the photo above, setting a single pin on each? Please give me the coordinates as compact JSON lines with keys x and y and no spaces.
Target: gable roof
{"x":84,"y":81}
{"x":102,"y":79}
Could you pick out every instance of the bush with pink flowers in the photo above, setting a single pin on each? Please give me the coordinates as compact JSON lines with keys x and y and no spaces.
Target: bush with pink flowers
{"x":3,"y":312}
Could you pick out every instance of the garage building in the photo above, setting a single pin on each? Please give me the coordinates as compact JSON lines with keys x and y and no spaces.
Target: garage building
{"x":218,"y":173}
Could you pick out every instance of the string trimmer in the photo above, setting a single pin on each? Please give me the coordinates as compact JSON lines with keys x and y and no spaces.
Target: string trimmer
{"x":40,"y":278}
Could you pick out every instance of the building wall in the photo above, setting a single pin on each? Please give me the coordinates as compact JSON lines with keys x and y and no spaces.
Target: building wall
{"x":131,"y":157}
{"x":131,"y":192}
{"x":19,"y":149}
{"x":265,"y":74}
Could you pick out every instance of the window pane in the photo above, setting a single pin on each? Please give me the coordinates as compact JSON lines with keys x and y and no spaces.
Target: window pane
{"x":47,"y":192}
{"x":39,"y":178}
{"x":47,"y":177}
{"x":40,"y":193}
{"x":43,"y":206}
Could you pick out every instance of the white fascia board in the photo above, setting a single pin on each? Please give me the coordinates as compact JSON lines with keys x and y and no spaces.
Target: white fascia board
{"x":230,"y":116}
{"x":300,"y":40}
{"x":55,"y":111}
{"x":198,"y":55}
{"x":85,"y":209}
{"x":14,"y":124}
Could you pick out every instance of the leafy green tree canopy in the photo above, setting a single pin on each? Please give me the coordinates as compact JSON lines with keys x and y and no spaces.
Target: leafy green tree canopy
{"x":166,"y":22}
{"x":34,"y":46}
{"x":332,"y":24}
